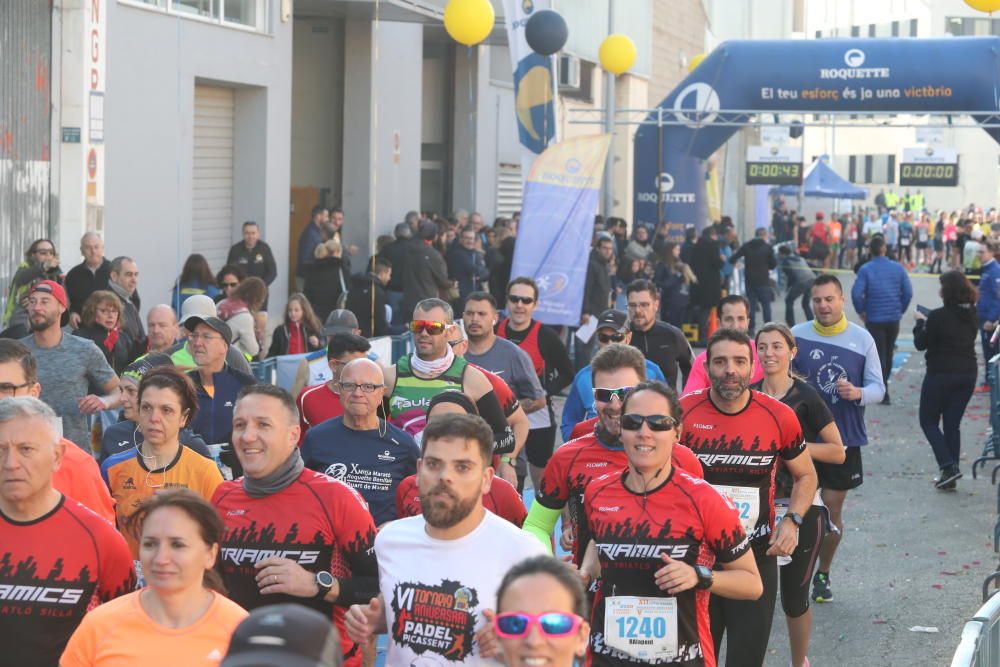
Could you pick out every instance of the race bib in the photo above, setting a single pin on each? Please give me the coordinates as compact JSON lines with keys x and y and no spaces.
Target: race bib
{"x":642,"y":628}
{"x":747,"y":501}
{"x":780,"y":509}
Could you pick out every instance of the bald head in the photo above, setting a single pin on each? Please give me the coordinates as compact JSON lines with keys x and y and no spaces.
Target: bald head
{"x":360,"y":406}
{"x":162,"y":328}
{"x":362,"y":371}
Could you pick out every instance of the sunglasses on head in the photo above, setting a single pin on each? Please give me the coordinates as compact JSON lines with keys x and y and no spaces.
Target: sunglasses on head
{"x":606,"y":395}
{"x":526,"y":300}
{"x":513,"y":625}
{"x":658,"y":423}
{"x":611,"y":338}
{"x":430,"y":326}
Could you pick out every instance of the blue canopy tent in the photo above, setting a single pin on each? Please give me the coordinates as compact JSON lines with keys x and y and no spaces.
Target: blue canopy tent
{"x":822,"y":181}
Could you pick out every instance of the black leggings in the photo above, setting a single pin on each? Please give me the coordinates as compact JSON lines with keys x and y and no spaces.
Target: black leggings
{"x":746,"y":623}
{"x":796,"y":576}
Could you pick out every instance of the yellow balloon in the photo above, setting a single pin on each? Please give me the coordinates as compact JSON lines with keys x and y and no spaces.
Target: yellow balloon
{"x":984,"y":5}
{"x":617,"y":53}
{"x":695,"y":61}
{"x":469,"y":21}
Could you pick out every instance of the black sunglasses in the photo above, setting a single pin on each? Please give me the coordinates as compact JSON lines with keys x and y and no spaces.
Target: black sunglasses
{"x":611,"y":338}
{"x":657,"y":423}
{"x":526,"y":300}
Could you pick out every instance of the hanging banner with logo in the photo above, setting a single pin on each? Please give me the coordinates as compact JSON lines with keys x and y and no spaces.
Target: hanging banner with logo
{"x":533,"y":84}
{"x":557,"y":223}
{"x":741,"y":78}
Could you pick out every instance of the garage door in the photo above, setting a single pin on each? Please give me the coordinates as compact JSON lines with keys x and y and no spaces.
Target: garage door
{"x":212,"y":187}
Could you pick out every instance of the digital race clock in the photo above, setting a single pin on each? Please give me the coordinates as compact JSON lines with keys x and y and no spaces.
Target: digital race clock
{"x":928,"y":173}
{"x":774,"y":173}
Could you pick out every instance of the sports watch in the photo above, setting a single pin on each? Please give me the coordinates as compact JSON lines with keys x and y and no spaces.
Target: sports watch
{"x":795,"y":517}
{"x":324,"y":582}
{"x":705,"y":577}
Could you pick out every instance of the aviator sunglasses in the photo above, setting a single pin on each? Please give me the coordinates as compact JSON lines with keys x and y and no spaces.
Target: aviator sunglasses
{"x":657,"y":423}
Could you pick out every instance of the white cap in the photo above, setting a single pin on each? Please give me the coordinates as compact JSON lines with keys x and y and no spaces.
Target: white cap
{"x":198,"y":305}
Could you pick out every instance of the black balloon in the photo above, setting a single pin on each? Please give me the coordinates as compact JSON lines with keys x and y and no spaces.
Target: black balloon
{"x":546,"y":32}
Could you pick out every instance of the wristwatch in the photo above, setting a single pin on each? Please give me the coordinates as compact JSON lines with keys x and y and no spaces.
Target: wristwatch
{"x":324,"y":582}
{"x":505,"y":459}
{"x":705,"y":577}
{"x":795,"y":517}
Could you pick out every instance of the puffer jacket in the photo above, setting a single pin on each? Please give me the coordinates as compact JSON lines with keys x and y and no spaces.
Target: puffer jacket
{"x":882,"y":291}
{"x":988,"y":305}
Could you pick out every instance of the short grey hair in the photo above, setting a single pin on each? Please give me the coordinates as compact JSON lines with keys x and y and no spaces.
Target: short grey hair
{"x":429,"y":304}
{"x":116,"y":263}
{"x":28,"y":407}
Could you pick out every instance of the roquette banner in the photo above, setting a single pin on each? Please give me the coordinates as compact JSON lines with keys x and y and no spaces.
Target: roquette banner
{"x":958,"y":74}
{"x":557,"y":222}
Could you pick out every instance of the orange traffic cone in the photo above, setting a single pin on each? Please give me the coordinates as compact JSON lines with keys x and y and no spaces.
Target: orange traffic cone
{"x":713,"y":323}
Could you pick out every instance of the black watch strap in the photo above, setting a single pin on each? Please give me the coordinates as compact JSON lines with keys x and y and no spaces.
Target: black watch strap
{"x":795,"y":517}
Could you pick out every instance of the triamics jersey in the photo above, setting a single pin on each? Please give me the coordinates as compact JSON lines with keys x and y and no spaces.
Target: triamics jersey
{"x":318,"y":522}
{"x":633,"y":622}
{"x":52,"y":571}
{"x":739,"y":452}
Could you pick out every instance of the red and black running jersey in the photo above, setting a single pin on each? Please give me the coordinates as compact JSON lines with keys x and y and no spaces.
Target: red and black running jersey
{"x":502,"y":500}
{"x":529,"y":344}
{"x":320,"y":523}
{"x":741,"y":450}
{"x":53,"y":570}
{"x":684,"y":518}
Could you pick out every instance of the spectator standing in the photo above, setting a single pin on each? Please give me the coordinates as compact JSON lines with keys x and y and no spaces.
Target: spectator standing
{"x":358,"y":448}
{"x":988,"y":305}
{"x":254,"y":255}
{"x":101,"y":324}
{"x":596,"y":292}
{"x":228,"y":279}
{"x":758,"y":260}
{"x":706,"y":261}
{"x":881,"y":294}
{"x":395,"y":253}
{"x":367,"y":298}
{"x":674,"y":279}
{"x":311,"y":237}
{"x":68,"y":366}
{"x":799,"y":278}
{"x":125,"y":284}
{"x":239,"y":312}
{"x":499,"y":259}
{"x":162,"y":330}
{"x":196,"y":278}
{"x":425,"y":274}
{"x":948,"y":334}
{"x":40,"y":263}
{"x":467,"y":265}
{"x":300,"y":330}
{"x":92,"y":274}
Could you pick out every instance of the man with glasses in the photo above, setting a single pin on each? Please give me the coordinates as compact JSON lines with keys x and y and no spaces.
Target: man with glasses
{"x":200,"y":305}
{"x":616,"y":368}
{"x":322,"y":401}
{"x":550,"y":361}
{"x":504,"y":359}
{"x":739,"y":435}
{"x":660,"y":342}
{"x":579,"y":415}
{"x":40,"y":263}
{"x":433,"y":367}
{"x":217,"y":384}
{"x":68,"y":366}
{"x":90,"y":275}
{"x":358,"y":448}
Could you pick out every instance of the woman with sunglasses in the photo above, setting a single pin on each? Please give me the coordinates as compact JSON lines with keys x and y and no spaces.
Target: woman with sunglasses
{"x":541,"y":611}
{"x":655,"y":534}
{"x":182,"y":617}
{"x":167,"y":403}
{"x":776,"y":348}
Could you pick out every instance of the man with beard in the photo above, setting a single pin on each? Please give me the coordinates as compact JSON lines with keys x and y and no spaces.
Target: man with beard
{"x":840,"y":360}
{"x":434,"y":367}
{"x":68,"y":366}
{"x":615,"y":370}
{"x":739,"y":434}
{"x":734,"y":313}
{"x":439,"y":571}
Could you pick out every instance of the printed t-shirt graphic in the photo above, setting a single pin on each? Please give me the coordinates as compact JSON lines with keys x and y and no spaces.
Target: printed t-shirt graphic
{"x":53,"y":570}
{"x":435,"y":591}
{"x":318,"y":522}
{"x":739,"y":452}
{"x":684,"y":518}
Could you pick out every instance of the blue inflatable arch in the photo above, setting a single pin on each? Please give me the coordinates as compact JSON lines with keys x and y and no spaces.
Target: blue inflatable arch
{"x":958,"y":75}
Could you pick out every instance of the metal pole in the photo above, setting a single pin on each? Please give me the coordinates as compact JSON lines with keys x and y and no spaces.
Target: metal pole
{"x":609,"y":124}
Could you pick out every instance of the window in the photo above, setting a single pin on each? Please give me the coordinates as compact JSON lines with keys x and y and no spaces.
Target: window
{"x":251,"y":14}
{"x":870,"y":169}
{"x":969,"y":27}
{"x":913,"y":27}
{"x":197,"y":7}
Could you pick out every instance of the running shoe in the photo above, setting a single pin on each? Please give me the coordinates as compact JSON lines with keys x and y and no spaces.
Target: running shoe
{"x":949,"y":476}
{"x":821,"y":588}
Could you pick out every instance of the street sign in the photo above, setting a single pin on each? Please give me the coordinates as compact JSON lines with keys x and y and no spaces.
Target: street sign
{"x":71,"y":135}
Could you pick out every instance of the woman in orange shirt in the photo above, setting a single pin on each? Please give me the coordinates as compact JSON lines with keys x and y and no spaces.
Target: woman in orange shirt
{"x":181,"y":618}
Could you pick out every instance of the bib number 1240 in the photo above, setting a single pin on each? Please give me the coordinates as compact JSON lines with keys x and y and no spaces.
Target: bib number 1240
{"x":642,"y":628}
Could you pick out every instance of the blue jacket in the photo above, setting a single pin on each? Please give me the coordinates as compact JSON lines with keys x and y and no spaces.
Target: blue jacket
{"x":580,"y":400}
{"x":988,"y":306}
{"x":468,"y":267}
{"x":310,"y":238}
{"x":882,"y":291}
{"x":214,"y":421}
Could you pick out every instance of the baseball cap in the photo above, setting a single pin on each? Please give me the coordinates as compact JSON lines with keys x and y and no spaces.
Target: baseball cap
{"x":138,"y":368}
{"x":53,"y":288}
{"x":213,"y":322}
{"x":613,"y":319}
{"x":198,"y":305}
{"x":340,"y":321}
{"x":284,"y":635}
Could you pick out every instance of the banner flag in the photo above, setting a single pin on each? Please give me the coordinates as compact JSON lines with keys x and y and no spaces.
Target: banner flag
{"x":557,"y":223}
{"x":533,"y":85}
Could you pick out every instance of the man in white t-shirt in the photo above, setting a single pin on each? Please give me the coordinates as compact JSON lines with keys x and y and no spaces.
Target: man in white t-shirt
{"x":439,"y":571}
